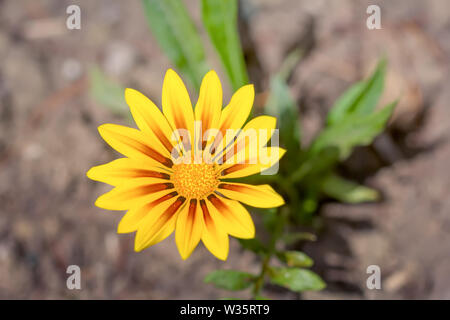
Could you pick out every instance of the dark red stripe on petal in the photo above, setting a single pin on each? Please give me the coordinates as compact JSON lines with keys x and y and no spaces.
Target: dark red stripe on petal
{"x":170,"y":211}
{"x":220,"y":206}
{"x":192,"y":207}
{"x":154,"y":203}
{"x":191,"y":216}
{"x":135,"y":173}
{"x":146,"y":189}
{"x":157,"y":156}
{"x":233,"y":187}
{"x":164,"y":198}
{"x":162,"y":137}
{"x":181,"y":125}
{"x":151,"y":188}
{"x":145,"y":149}
{"x":234,"y":168}
{"x":206,"y":216}
{"x":191,"y":213}
{"x":232,"y":152}
{"x":240,"y":188}
{"x":175,"y":206}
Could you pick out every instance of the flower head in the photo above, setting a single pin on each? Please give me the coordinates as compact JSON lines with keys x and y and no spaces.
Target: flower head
{"x":177,"y":166}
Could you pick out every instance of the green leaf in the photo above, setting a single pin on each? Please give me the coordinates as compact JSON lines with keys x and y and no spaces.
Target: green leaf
{"x":316,"y":164}
{"x":354,"y":130}
{"x":295,"y":259}
{"x":253,"y":245}
{"x":280,"y":104}
{"x":310,"y":204}
{"x":108,"y":93}
{"x":347,"y":191}
{"x":296,"y":279}
{"x":290,"y":238}
{"x":270,"y":219}
{"x":220,"y":21}
{"x":344,"y":103}
{"x":230,"y":279}
{"x":361,"y":98}
{"x":177,"y":36}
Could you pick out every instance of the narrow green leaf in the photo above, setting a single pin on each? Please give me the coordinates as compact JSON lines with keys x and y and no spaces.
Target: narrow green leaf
{"x":280,"y":104}
{"x":345,"y":102}
{"x":296,"y":279}
{"x":354,"y":130}
{"x":177,"y":36}
{"x":230,"y":279}
{"x":289,"y":63}
{"x":361,"y":98}
{"x":108,"y":93}
{"x":220,"y":21}
{"x":295,"y":259}
{"x":347,"y":191}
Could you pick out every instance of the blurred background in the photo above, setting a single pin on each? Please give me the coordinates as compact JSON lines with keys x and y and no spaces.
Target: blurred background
{"x":48,"y":140}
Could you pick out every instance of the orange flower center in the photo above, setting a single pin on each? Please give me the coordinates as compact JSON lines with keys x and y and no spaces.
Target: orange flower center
{"x":195,"y":180}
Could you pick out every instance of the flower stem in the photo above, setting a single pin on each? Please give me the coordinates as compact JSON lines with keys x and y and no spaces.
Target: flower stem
{"x":265,"y":268}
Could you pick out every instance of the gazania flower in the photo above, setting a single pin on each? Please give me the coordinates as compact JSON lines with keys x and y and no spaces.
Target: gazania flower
{"x":176,"y":172}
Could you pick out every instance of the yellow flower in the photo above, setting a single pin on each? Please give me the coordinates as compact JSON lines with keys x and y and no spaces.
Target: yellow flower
{"x":167,"y":183}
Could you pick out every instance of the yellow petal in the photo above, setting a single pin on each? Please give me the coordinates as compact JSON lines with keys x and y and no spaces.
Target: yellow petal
{"x":135,"y":144}
{"x":262,"y":196}
{"x":265,"y":159}
{"x":214,"y":237}
{"x":255,"y":135}
{"x":189,"y":228}
{"x":149,"y":118}
{"x":158,"y":225}
{"x":131,"y":220}
{"x":235,"y":113}
{"x":232,"y":216}
{"x":209,"y":105}
{"x":132,"y":193}
{"x":120,"y":170}
{"x":177,"y":107}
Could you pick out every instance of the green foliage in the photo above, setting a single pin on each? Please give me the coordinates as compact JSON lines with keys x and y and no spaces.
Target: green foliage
{"x":220,"y":21}
{"x":107,"y":93}
{"x":347,"y":191}
{"x":177,"y":36}
{"x":353,"y":130}
{"x":230,"y":279}
{"x":294,"y":237}
{"x":361,"y":98}
{"x":281,"y":105}
{"x":270,"y":220}
{"x":295,"y":259}
{"x":254,"y":245}
{"x":296,"y":279}
{"x":316,"y":164}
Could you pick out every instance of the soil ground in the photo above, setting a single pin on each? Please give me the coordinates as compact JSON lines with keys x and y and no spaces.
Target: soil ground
{"x":48,"y":139}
